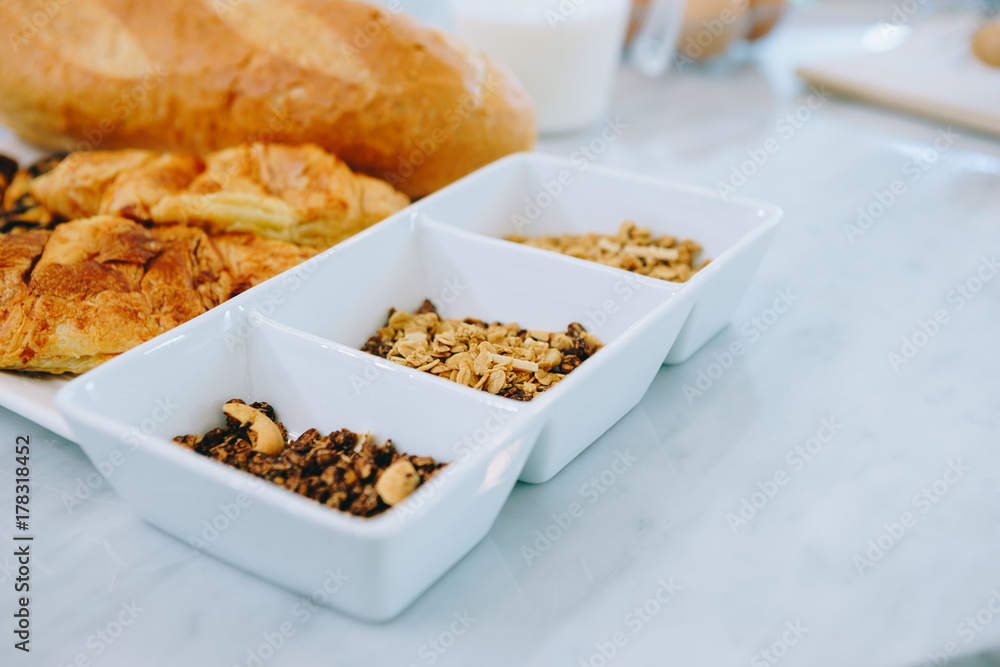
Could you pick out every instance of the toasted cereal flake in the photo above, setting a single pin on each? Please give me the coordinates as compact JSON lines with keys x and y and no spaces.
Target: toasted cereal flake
{"x":466,"y":376}
{"x":456,"y":361}
{"x":399,"y":319}
{"x":483,"y":362}
{"x":446,"y":338}
{"x":498,"y":378}
{"x":539,"y":335}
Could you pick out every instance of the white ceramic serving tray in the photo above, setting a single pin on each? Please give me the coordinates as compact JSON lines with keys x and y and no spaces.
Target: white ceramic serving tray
{"x":378,"y":565}
{"x":293,"y":341}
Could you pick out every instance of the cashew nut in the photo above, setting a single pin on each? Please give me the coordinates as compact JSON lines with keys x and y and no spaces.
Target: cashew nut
{"x":397,"y":482}
{"x":265,"y":436}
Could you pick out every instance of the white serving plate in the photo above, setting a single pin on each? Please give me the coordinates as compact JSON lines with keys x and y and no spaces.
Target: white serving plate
{"x":33,"y":397}
{"x":532,"y":194}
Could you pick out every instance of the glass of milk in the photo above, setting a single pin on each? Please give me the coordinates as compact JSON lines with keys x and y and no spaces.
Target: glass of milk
{"x":565,"y":52}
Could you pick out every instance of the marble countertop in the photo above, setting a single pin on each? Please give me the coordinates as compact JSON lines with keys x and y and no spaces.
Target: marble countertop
{"x":829,"y":497}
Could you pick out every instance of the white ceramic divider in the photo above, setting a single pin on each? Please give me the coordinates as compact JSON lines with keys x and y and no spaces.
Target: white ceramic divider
{"x":469,"y":275}
{"x":531,"y":194}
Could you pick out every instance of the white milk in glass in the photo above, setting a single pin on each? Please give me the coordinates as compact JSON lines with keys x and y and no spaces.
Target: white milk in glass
{"x":566,"y":52}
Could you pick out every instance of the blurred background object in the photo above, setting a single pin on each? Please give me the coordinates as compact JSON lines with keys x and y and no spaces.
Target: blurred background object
{"x":653,"y":32}
{"x":986,"y":43}
{"x":565,"y":52}
{"x":710,"y":27}
{"x":925,"y":59}
{"x":764,"y":15}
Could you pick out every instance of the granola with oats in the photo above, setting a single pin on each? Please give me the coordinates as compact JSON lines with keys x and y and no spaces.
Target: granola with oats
{"x":501,"y":359}
{"x":632,"y":248}
{"x":343,"y":470}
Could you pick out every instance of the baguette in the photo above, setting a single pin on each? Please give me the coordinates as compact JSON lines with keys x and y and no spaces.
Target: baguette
{"x":392,"y":98}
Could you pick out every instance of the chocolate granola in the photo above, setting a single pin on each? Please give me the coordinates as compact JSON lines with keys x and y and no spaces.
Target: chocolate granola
{"x":344,"y":470}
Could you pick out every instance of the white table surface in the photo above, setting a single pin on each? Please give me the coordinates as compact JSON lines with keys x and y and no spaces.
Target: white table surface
{"x":662,"y":519}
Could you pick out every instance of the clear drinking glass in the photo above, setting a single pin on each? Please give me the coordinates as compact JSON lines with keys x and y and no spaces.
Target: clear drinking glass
{"x":565,"y":52}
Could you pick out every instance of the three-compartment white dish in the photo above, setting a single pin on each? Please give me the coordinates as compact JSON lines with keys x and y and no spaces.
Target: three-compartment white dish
{"x":294,"y":342}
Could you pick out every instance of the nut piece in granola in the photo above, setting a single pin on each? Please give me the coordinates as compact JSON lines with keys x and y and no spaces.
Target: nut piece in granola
{"x":501,"y":359}
{"x":263,"y":433}
{"x":397,"y":482}
{"x":632,"y":248}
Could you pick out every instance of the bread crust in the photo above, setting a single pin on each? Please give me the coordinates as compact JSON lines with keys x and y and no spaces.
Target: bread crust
{"x":392,"y":98}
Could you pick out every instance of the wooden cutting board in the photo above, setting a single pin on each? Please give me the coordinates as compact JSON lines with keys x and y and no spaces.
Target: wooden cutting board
{"x":933,"y":74}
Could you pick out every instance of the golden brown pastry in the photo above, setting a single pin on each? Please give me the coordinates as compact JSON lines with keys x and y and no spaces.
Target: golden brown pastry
{"x":90,"y":289}
{"x":135,"y":191}
{"x":124,"y":183}
{"x":392,"y":98}
{"x":299,"y":194}
{"x":250,"y":259}
{"x":73,"y":294}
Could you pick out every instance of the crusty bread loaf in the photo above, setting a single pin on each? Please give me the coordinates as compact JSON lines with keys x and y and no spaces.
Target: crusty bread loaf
{"x":391,"y":97}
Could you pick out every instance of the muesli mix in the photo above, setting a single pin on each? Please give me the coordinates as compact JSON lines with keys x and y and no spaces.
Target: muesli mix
{"x":632,"y":248}
{"x":502,"y":359}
